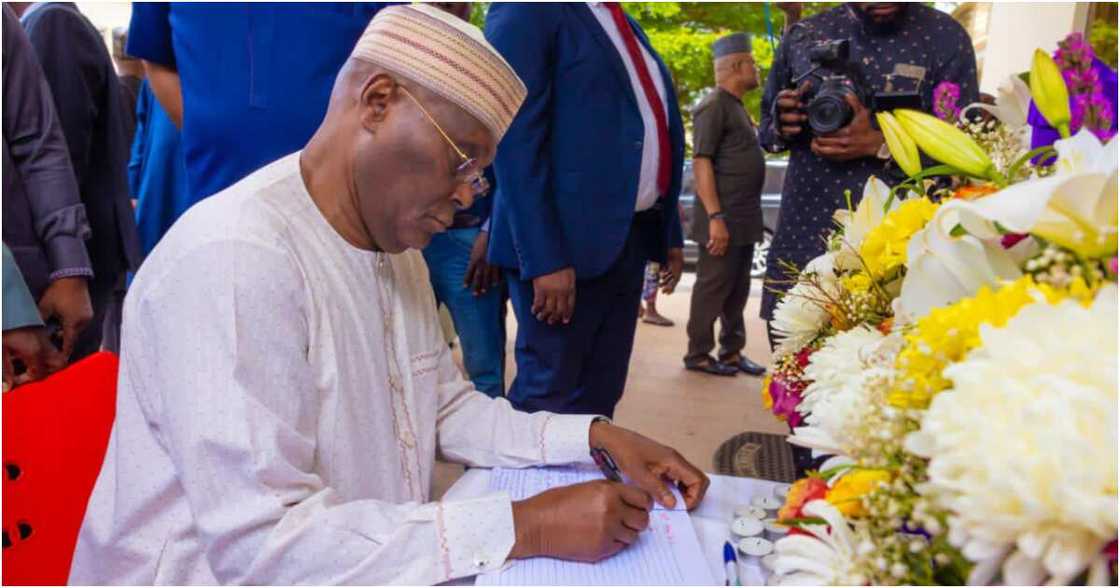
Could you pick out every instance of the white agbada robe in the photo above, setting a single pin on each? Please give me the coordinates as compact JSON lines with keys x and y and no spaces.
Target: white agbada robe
{"x":282,"y":397}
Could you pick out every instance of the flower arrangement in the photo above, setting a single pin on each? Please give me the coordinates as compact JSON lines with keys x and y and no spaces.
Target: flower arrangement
{"x":955,"y":352}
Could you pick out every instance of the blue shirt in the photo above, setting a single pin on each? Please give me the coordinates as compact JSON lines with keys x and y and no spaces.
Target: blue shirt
{"x":157,"y":174}
{"x":256,"y":77}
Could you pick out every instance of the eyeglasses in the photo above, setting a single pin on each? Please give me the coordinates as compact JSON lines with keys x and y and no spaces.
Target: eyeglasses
{"x":468,"y":170}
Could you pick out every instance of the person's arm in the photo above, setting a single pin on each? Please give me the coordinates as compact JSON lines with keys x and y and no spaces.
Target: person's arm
{"x":960,"y":68}
{"x":522,"y":34}
{"x":770,"y":132}
{"x":707,"y":130}
{"x":25,"y":338}
{"x":167,"y":89}
{"x":236,"y":411}
{"x":150,"y":39}
{"x":38,"y":149}
{"x":19,"y":306}
{"x":61,"y":44}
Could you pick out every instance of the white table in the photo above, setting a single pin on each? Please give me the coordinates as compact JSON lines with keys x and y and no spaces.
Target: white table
{"x":712,"y":519}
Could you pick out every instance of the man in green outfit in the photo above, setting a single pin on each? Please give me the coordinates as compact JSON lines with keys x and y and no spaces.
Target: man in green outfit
{"x":729,"y":168}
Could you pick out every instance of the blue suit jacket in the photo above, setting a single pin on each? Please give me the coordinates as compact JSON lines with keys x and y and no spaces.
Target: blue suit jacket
{"x":568,"y":167}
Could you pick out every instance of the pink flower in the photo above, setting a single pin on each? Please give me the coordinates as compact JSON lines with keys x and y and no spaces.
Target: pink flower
{"x":945,"y":98}
{"x":1011,"y":239}
{"x":786,"y":399}
{"x":1112,"y":266}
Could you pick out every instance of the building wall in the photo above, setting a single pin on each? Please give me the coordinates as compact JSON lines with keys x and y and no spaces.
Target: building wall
{"x":1016,"y":30}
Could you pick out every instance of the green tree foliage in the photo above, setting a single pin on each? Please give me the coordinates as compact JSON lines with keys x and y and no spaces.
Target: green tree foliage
{"x":1102,"y":36}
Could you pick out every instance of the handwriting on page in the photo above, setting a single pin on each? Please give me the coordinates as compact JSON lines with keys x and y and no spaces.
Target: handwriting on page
{"x":668,"y":553}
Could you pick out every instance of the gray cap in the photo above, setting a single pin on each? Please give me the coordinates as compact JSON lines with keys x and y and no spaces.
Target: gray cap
{"x":733,"y":43}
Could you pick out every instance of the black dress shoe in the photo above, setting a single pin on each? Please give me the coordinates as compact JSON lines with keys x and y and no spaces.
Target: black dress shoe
{"x":713,"y":367}
{"x":747,"y":366}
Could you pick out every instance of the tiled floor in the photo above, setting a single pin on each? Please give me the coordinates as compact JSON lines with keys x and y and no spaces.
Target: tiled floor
{"x":689,"y":411}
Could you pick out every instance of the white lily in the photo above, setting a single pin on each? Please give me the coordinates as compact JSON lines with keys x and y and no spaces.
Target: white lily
{"x":859,"y":222}
{"x":1075,"y":207}
{"x":1013,"y":100}
{"x":826,"y":557}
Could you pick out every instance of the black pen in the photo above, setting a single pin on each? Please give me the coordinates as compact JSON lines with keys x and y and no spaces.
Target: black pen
{"x":606,"y":464}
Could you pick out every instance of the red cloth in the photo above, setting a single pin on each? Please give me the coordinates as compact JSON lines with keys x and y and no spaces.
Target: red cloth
{"x":658,"y":107}
{"x":55,"y":435}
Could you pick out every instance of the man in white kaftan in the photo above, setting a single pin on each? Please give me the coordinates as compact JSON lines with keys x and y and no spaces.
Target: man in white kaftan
{"x":285,"y":387}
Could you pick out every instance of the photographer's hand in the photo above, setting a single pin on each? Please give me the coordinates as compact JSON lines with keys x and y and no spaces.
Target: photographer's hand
{"x":858,"y":139}
{"x":791,"y":114}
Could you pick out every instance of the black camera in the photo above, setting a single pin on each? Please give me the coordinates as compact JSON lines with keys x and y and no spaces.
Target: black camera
{"x":833,"y":77}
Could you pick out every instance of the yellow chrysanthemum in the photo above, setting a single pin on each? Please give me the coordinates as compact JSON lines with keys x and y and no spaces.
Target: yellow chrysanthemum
{"x":947,"y":334}
{"x":845,"y":495}
{"x":884,"y":248}
{"x":858,"y":282}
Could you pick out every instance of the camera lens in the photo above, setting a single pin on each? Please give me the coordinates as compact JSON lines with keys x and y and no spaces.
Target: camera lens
{"x":828,"y":112}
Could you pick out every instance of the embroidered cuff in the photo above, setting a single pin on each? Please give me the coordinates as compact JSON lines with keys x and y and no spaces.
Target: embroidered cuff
{"x":71,"y":272}
{"x":564,"y":439}
{"x":67,"y":254}
{"x":475,"y":535}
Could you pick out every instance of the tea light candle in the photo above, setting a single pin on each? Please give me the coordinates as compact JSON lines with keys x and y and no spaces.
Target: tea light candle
{"x":767,"y":503}
{"x":748,"y":511}
{"x":774,"y":530}
{"x":781,"y":491}
{"x":753,"y":549}
{"x":746,"y":527}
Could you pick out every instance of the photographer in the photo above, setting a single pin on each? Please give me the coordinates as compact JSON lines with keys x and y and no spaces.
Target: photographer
{"x":896,"y":54}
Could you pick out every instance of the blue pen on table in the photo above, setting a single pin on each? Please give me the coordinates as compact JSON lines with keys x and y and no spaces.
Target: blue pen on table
{"x":730,"y":565}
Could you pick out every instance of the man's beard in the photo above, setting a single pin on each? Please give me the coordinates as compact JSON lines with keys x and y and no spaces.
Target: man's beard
{"x":874,"y":27}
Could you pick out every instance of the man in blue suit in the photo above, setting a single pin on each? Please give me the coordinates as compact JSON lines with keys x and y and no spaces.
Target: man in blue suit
{"x":588,"y":176}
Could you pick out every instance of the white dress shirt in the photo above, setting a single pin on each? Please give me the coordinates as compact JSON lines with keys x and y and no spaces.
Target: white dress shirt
{"x":651,"y":151}
{"x":281,"y":400}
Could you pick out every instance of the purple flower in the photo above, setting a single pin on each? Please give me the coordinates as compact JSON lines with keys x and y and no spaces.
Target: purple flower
{"x":1093,"y":112}
{"x":945,"y":98}
{"x":1074,"y":53}
{"x":1092,"y":87}
{"x":786,"y":398}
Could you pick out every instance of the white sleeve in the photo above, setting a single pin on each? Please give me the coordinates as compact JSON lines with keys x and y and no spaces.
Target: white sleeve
{"x":481,"y":431}
{"x":234,"y":405}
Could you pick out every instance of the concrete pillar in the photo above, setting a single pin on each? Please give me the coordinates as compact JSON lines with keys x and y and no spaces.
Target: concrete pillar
{"x":1015,"y":30}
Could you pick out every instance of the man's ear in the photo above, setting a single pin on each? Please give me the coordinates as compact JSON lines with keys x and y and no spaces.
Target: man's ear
{"x":377,"y":95}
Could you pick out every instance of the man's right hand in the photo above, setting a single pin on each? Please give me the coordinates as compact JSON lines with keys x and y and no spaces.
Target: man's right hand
{"x":718,"y":237}
{"x":583,"y":522}
{"x":791,"y":113}
{"x":554,"y":296}
{"x":31,"y":346}
{"x":67,"y":299}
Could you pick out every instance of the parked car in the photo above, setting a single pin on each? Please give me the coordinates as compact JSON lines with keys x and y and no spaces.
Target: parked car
{"x":771,"y":202}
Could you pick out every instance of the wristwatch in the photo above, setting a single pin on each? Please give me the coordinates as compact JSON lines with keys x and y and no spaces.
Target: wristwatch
{"x":720,"y":215}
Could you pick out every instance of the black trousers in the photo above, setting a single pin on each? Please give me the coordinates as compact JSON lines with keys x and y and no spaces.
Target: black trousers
{"x":723,"y":284}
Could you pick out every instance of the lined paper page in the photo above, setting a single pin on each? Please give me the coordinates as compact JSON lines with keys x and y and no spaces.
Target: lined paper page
{"x":668,"y":553}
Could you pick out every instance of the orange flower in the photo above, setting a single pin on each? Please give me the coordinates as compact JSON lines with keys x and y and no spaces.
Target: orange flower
{"x":886,"y":326}
{"x":975,"y":191}
{"x":802,"y":491}
{"x":767,"y":400}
